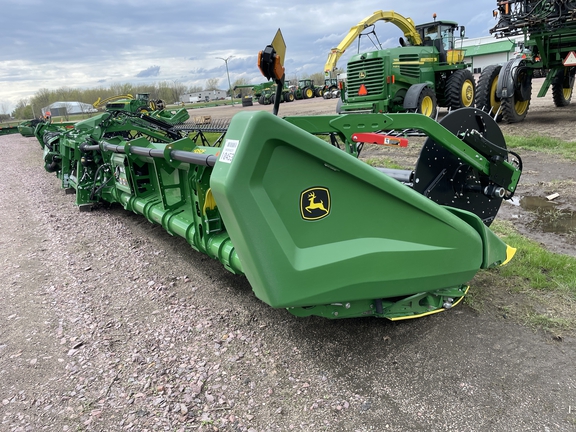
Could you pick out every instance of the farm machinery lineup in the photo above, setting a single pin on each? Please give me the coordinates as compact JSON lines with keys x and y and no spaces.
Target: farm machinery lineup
{"x":287,"y":203}
{"x":265,"y":93}
{"x":549,"y":30}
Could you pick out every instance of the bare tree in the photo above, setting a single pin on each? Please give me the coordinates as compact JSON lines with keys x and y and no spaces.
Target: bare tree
{"x":68,"y":108}
{"x":4,"y":111}
{"x":41,"y":99}
{"x":22,"y":110}
{"x":121,"y":89}
{"x":318,"y":78}
{"x":212,"y":84}
{"x":177,"y":89}
{"x":241,"y":91}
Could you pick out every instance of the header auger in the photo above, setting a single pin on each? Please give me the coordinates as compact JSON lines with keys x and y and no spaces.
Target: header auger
{"x":313,"y":229}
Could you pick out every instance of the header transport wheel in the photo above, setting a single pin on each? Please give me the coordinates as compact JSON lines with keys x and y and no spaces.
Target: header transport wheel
{"x":447,"y":180}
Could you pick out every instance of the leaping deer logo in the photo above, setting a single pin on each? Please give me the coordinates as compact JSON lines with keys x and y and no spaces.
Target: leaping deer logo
{"x":315,"y":203}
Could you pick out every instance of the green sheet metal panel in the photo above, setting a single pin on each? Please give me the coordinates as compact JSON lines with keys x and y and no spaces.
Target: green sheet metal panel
{"x":375,"y":237}
{"x":490,"y":48}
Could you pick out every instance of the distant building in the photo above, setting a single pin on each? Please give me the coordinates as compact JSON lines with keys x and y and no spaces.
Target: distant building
{"x":204,"y":96}
{"x":58,"y":109}
{"x":486,"y":51}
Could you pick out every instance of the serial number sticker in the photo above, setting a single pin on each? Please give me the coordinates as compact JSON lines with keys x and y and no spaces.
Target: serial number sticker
{"x":229,"y":151}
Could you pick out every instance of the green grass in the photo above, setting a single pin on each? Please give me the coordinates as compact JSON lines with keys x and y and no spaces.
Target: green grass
{"x":535,"y":267}
{"x":379,"y":161}
{"x":10,"y":123}
{"x":214,"y":103}
{"x":555,"y":146}
{"x":537,"y":287}
{"x":542,"y":283}
{"x":210,"y":136}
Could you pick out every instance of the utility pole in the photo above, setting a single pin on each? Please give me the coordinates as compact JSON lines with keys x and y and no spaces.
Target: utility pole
{"x":228,"y":75}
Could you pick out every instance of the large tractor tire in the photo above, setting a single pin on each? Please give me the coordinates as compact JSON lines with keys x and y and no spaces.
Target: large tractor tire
{"x":318,"y":92}
{"x":427,"y":103}
{"x":289,"y":97}
{"x":562,"y":86}
{"x":261,"y":100}
{"x":159,"y":104}
{"x":515,"y":108}
{"x":460,"y":89}
{"x":307,"y":93}
{"x":486,"y":98}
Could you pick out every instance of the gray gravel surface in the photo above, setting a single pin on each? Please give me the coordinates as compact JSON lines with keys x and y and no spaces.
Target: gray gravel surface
{"x":108,"y":323}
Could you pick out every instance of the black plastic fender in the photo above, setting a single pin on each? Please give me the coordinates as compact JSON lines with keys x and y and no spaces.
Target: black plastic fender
{"x":412,"y":95}
{"x":507,"y":79}
{"x":339,"y":106}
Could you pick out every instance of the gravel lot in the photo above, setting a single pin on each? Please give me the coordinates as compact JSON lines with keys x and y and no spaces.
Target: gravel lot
{"x":108,"y":323}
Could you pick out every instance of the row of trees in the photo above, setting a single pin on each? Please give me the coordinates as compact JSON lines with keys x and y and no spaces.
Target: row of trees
{"x":168,"y":91}
{"x":165,"y":90}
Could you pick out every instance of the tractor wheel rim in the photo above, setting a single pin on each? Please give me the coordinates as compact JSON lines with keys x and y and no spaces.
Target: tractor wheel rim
{"x":467,"y":93}
{"x":494,"y":101}
{"x":567,"y":93}
{"x":521,"y":107}
{"x":426,"y":106}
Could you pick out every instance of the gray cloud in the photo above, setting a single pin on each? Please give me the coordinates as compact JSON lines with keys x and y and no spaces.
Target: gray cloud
{"x":152,"y":71}
{"x":84,"y":44}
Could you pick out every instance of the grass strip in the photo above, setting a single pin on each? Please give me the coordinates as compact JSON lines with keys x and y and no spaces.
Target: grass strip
{"x":566,"y":149}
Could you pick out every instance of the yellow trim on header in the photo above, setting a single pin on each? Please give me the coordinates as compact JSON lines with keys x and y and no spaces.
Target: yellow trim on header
{"x":431,"y":312}
{"x":510,"y":251}
{"x":209,"y":202}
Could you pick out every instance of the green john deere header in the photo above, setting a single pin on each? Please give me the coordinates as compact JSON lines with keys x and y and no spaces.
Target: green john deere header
{"x":313,"y":229}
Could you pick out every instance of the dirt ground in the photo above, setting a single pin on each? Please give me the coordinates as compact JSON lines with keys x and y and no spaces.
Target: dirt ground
{"x":108,"y":323}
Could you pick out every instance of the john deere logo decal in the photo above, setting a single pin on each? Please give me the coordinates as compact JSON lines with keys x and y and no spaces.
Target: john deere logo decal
{"x":362,"y":74}
{"x":315,"y":203}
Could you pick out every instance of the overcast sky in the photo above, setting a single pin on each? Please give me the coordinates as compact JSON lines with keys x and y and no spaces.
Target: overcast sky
{"x":86,"y":44}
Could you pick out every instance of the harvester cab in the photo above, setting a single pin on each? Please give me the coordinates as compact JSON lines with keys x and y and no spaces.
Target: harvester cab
{"x":441,"y":35}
